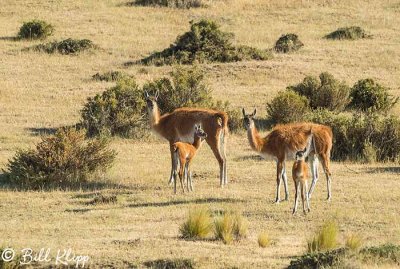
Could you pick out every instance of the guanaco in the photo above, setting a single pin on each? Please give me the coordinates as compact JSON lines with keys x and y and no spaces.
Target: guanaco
{"x":183,"y":157}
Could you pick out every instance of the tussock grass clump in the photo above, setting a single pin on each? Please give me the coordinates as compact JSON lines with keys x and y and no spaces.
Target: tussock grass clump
{"x":324,"y":239}
{"x":368,"y":95}
{"x":67,"y":46}
{"x":103,"y":199}
{"x":118,"y":111}
{"x":198,"y":224}
{"x":288,"y":43}
{"x":64,"y":158}
{"x":110,"y":76}
{"x":170,"y":264}
{"x":287,"y":106}
{"x":35,"y":29}
{"x":230,"y":226}
{"x":263,"y":240}
{"x":204,"y":43}
{"x":349,"y":33}
{"x":353,"y":242}
{"x":169,"y":3}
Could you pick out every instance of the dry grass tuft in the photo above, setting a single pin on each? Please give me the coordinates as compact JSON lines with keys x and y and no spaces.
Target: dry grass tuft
{"x":325,"y":238}
{"x":198,"y":224}
{"x":230,"y":226}
{"x":353,"y":242}
{"x":263,"y":239}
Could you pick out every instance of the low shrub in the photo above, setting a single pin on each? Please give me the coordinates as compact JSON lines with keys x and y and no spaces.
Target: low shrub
{"x":110,"y":76}
{"x":382,"y":253}
{"x":319,"y":260}
{"x":169,"y":3}
{"x":119,"y":111}
{"x":349,"y":33}
{"x":325,"y":92}
{"x":198,"y":224}
{"x":205,"y":42}
{"x":324,"y":239}
{"x":35,"y":29}
{"x":263,"y":240}
{"x":103,"y":199}
{"x":368,"y":95}
{"x":67,"y":46}
{"x":170,"y":264}
{"x":353,"y":242}
{"x":64,"y":158}
{"x":288,"y":43}
{"x":287,"y":106}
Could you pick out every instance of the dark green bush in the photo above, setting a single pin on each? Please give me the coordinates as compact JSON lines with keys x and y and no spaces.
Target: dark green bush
{"x":169,"y":3}
{"x":367,"y":95}
{"x":288,"y":43}
{"x":287,"y":106}
{"x":170,"y":264}
{"x":35,"y":29}
{"x":64,"y":158}
{"x":325,"y":92}
{"x":117,"y":111}
{"x":205,"y":42}
{"x":67,"y":46}
{"x":350,"y":33}
{"x":110,"y":76}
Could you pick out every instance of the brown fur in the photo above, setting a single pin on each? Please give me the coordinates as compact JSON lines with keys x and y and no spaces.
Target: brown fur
{"x":300,"y":175}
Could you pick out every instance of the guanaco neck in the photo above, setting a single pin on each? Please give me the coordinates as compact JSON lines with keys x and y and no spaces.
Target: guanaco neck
{"x":197,"y":142}
{"x":155,"y":116}
{"x":256,"y":142}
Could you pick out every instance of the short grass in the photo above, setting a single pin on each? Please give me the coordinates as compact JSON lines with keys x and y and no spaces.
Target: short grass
{"x":40,"y":92}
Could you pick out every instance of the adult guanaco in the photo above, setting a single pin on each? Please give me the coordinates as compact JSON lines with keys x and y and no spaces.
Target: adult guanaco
{"x":300,"y":175}
{"x":179,"y":126}
{"x":284,"y":141}
{"x":183,"y":157}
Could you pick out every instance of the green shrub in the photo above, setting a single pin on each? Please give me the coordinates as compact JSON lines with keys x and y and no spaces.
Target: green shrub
{"x":367,"y":95}
{"x":110,"y":76}
{"x":65,"y":158}
{"x":170,"y":3}
{"x":119,"y":110}
{"x":350,"y":33}
{"x":319,"y":260}
{"x":170,"y":264}
{"x":287,"y":106}
{"x":205,"y":42}
{"x":288,"y":43}
{"x":35,"y":29}
{"x":383,"y":253}
{"x":327,"y":92}
{"x":325,"y":238}
{"x":353,"y":242}
{"x":198,"y":224}
{"x":263,"y":240}
{"x":67,"y":46}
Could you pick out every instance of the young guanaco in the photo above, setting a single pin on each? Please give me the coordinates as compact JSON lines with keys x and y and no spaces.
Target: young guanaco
{"x":183,"y":156}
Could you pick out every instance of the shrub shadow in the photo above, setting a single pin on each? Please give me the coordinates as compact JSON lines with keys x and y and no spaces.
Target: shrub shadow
{"x":391,"y":169}
{"x":183,"y":202}
{"x":9,"y":38}
{"x":248,"y":158}
{"x":41,"y":131}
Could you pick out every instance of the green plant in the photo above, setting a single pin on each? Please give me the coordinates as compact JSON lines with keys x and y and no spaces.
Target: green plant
{"x":170,"y":3}
{"x":67,"y":46}
{"x":170,"y":264}
{"x":319,"y":260}
{"x":353,"y":242}
{"x":288,"y":43}
{"x":198,"y":224}
{"x":350,"y":33}
{"x":386,"y":252}
{"x":205,"y":42}
{"x":119,"y":110}
{"x":110,"y":76}
{"x":324,"y":239}
{"x":286,"y":107}
{"x":367,"y":95}
{"x":325,"y":92}
{"x":263,"y":240}
{"x":64,"y":158}
{"x":35,"y":29}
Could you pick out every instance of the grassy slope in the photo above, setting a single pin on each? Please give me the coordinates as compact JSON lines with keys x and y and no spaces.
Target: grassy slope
{"x":42,"y":91}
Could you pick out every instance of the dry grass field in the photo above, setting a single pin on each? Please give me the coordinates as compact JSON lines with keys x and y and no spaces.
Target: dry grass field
{"x":39,"y":92}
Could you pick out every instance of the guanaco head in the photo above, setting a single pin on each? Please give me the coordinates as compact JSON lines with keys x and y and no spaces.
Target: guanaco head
{"x":199,"y":132}
{"x":151,"y":101}
{"x":248,"y":119}
{"x":300,"y":155}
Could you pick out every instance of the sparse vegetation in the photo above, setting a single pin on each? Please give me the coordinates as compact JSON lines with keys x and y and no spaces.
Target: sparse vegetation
{"x":204,"y":43}
{"x":110,"y":76}
{"x":288,"y":43}
{"x":368,"y":95}
{"x":382,"y":253}
{"x":349,"y":33}
{"x":65,"y":158}
{"x":170,"y":264}
{"x":198,"y":225}
{"x":169,"y":3}
{"x":324,"y":239}
{"x":103,"y":199}
{"x":67,"y":46}
{"x":263,"y":240}
{"x":287,"y":106}
{"x":35,"y":29}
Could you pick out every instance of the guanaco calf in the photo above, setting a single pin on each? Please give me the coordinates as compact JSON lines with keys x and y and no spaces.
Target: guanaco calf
{"x":300,"y":175}
{"x":183,"y":156}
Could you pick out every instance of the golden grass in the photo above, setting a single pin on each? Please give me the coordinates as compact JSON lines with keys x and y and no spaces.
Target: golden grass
{"x":39,"y":92}
{"x":325,"y":238}
{"x":263,"y":240}
{"x":198,"y":224}
{"x":353,"y":241}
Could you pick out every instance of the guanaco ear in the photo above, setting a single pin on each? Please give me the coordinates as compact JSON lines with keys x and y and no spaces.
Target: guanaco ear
{"x":146,"y":95}
{"x":244,"y":112}
{"x":196,"y":127}
{"x":157,"y":94}
{"x":254,"y":113}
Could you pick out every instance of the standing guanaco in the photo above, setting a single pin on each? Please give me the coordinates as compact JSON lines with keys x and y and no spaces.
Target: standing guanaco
{"x":183,"y":156}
